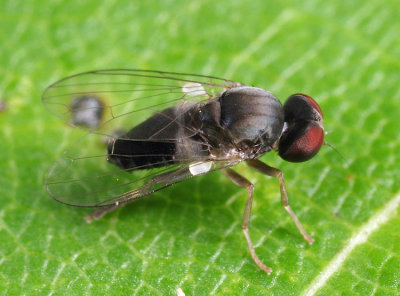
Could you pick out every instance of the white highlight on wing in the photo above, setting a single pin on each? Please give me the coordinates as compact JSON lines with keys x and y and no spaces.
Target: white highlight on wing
{"x":194,"y":89}
{"x":198,"y":168}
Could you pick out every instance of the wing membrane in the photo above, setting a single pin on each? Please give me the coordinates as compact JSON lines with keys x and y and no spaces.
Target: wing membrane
{"x":83,"y":176}
{"x":127,"y":92}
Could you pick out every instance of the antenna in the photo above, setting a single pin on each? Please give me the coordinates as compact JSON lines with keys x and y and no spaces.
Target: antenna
{"x":337,"y":151}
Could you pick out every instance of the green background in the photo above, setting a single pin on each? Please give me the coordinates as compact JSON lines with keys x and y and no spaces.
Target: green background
{"x":345,"y":54}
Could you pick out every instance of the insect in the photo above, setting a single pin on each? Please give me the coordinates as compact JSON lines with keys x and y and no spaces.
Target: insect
{"x":86,"y":111}
{"x":177,"y":126}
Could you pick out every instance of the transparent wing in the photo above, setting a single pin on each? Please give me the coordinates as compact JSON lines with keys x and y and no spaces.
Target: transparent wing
{"x":123,"y":94}
{"x":93,"y":182}
{"x":125,"y":98}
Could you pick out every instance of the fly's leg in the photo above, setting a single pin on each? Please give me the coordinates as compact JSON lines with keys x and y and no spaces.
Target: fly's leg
{"x":243,"y":182}
{"x":97,"y":214}
{"x":273,"y":172}
{"x":162,"y":180}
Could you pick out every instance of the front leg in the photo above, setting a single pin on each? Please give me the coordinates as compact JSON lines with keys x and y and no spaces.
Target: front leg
{"x":273,"y":172}
{"x":243,"y":182}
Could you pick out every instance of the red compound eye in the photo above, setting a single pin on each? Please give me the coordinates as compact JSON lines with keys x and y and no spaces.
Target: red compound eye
{"x":304,"y":133}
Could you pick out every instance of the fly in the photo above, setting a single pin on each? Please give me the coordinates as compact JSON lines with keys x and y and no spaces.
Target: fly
{"x":181,"y":126}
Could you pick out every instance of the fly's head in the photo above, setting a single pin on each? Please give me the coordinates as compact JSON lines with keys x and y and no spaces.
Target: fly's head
{"x":303,"y":133}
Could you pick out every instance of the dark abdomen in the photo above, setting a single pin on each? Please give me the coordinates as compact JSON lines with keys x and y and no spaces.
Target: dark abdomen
{"x":159,"y":141}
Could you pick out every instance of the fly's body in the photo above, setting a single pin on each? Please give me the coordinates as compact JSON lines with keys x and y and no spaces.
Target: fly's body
{"x":176,"y":126}
{"x":243,"y":123}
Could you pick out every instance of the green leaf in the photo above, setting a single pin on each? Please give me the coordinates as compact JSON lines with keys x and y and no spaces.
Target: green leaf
{"x":345,"y":54}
